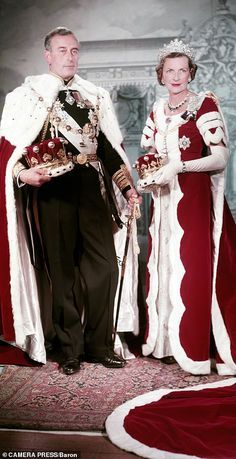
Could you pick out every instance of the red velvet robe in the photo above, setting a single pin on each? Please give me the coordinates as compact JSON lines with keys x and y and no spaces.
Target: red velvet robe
{"x":199,"y":240}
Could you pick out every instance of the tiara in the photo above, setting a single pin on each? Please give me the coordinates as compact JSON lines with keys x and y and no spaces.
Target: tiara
{"x":176,"y":46}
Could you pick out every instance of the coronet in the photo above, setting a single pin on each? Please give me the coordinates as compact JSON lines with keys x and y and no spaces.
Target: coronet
{"x":147,"y":164}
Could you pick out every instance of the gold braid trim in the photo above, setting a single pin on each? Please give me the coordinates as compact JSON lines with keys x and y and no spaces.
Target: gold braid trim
{"x":122,"y":178}
{"x":45,"y":128}
{"x":17,"y":169}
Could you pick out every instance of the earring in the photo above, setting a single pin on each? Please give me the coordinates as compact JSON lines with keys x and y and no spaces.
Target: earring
{"x":189,"y":80}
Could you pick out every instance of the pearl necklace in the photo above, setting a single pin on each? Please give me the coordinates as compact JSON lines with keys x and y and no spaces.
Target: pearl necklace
{"x":172,"y":108}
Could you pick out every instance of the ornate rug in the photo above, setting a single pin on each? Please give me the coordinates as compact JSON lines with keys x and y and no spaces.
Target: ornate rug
{"x":42,"y":398}
{"x":195,"y":422}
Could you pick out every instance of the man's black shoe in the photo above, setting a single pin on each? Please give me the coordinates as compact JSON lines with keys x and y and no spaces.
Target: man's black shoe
{"x":169,"y":360}
{"x":70,"y":366}
{"x":110,"y":360}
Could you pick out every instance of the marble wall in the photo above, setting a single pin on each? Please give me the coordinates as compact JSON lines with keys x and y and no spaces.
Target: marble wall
{"x":119,"y":41}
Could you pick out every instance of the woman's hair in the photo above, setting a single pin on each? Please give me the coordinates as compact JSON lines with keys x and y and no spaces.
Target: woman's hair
{"x":159,"y":67}
{"x":57,"y":31}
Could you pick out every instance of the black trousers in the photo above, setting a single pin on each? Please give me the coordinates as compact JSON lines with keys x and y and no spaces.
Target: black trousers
{"x":76,"y":229}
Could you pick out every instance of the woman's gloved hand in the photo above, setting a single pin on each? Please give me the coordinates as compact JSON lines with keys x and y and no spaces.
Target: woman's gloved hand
{"x":216,"y":161}
{"x":161,"y":177}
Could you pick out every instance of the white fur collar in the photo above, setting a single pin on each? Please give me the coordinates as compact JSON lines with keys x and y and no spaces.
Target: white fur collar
{"x":48,"y":85}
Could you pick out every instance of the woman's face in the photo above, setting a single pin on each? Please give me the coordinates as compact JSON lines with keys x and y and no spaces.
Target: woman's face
{"x":176,"y":74}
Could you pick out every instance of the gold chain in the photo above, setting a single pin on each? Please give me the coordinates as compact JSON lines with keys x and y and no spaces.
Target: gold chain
{"x":45,"y":128}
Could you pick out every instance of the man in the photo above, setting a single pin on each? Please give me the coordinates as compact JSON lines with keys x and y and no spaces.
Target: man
{"x":70,"y":218}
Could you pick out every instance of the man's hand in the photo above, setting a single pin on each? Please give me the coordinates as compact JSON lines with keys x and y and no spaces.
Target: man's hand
{"x":34,"y":176}
{"x":133,"y":198}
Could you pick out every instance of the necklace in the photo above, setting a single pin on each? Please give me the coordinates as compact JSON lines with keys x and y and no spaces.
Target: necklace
{"x":172,"y":108}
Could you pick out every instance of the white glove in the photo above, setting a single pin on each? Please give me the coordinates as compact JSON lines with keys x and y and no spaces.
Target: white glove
{"x":161,"y":177}
{"x":216,"y":161}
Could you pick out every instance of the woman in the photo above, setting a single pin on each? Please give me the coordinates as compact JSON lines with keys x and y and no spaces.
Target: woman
{"x":191,"y":295}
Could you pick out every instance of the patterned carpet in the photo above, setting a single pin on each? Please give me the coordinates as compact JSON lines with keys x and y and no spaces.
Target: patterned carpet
{"x":42,"y":398}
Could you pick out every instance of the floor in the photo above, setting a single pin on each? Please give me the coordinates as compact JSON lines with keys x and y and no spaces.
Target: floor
{"x":66,"y":445}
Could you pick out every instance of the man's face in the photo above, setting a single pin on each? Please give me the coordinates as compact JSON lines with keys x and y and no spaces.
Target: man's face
{"x":63,"y":55}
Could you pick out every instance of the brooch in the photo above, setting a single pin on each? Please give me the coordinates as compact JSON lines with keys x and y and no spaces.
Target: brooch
{"x":184,"y":142}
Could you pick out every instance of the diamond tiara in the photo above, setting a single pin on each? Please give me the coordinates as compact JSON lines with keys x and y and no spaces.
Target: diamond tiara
{"x":176,"y":46}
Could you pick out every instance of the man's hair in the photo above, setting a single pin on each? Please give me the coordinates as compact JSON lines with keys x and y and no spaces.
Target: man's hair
{"x":57,"y":31}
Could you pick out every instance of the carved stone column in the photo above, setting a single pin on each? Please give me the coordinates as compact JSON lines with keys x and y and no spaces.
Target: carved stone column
{"x":215,"y":45}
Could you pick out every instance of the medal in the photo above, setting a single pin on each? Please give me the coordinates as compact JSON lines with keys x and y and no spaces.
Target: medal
{"x":69,"y":98}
